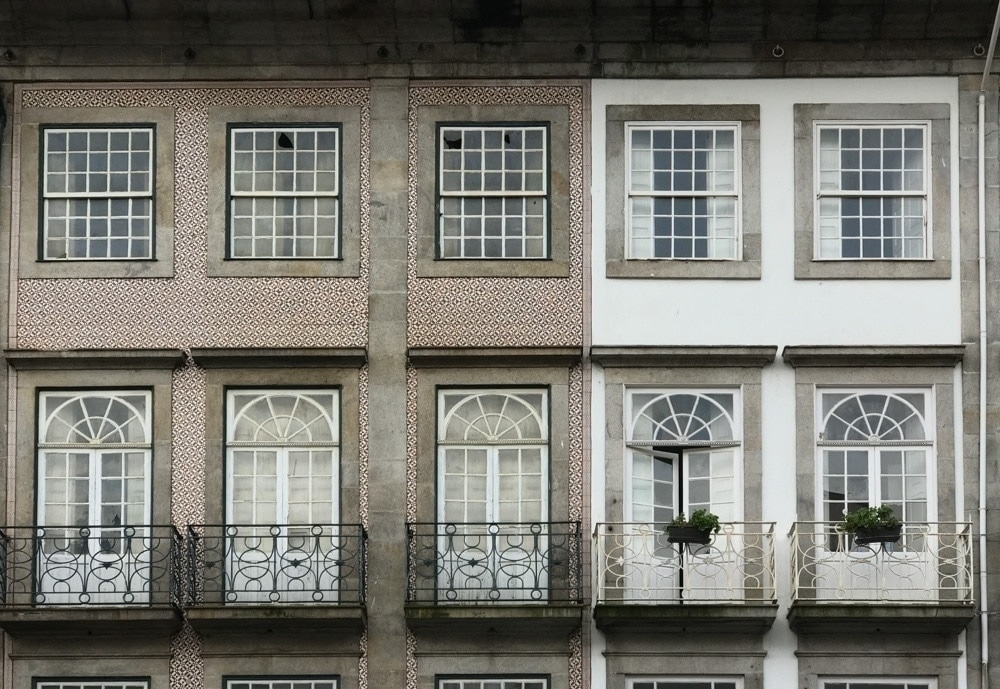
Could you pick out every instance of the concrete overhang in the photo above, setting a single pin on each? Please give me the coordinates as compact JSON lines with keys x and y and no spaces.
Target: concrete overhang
{"x":553,"y":618}
{"x":90,"y":621}
{"x":278,"y":619}
{"x":855,"y":618}
{"x":687,"y":618}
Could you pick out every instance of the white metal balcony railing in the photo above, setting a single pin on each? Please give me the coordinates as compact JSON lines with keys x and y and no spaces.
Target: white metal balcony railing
{"x":637,"y":564}
{"x":931,"y":563}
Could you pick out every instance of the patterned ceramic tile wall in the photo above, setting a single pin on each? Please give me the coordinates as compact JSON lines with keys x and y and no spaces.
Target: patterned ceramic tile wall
{"x":191,"y":309}
{"x":510,"y":312}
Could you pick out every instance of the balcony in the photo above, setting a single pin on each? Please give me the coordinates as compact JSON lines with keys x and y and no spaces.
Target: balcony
{"x":292,"y":578}
{"x":493,"y":575}
{"x":920,"y":584}
{"x":90,"y":579}
{"x":647,"y":582}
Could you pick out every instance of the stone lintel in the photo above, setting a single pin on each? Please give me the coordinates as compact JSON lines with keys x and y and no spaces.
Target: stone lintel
{"x":685,"y":356}
{"x":36,"y":359}
{"x":95,"y":621}
{"x":494,"y":356}
{"x":353,"y":357}
{"x":800,"y":356}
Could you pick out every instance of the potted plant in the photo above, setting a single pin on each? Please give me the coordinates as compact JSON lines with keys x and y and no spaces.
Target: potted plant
{"x":875,"y":524}
{"x":696,"y":529}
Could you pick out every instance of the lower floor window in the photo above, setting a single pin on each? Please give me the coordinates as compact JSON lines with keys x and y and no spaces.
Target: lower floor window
{"x":678,"y":683}
{"x":493,"y":683}
{"x":92,"y":684}
{"x":283,"y":683}
{"x":876,"y":684}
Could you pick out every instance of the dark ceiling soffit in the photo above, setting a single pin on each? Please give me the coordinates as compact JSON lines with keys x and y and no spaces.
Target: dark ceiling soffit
{"x":802,"y":356}
{"x":688,"y":356}
{"x":33,"y":359}
{"x":494,"y":356}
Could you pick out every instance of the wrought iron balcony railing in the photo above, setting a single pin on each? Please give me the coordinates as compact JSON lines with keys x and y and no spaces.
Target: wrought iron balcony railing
{"x":529,"y":562}
{"x":638,"y":565}
{"x":90,"y":565}
{"x":280,"y":564}
{"x":930,"y":563}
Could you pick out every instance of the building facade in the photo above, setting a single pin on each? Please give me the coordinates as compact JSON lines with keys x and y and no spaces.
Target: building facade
{"x":355,"y":346}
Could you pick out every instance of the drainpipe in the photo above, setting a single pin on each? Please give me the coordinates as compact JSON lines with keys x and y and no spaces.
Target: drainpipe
{"x":984,"y":653}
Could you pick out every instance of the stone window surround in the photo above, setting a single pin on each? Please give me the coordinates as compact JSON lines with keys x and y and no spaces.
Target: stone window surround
{"x":748,"y":266}
{"x":640,"y":654}
{"x":744,"y":382}
{"x":431,"y":380}
{"x":219,"y":381}
{"x":936,"y":381}
{"x":920,"y":662}
{"x":271,"y":678}
{"x":280,"y":656}
{"x":27,"y":213}
{"x":938,"y":265}
{"x":557,"y":118}
{"x":76,"y":681}
{"x":348,"y":118}
{"x":31,"y":383}
{"x":526,"y":676}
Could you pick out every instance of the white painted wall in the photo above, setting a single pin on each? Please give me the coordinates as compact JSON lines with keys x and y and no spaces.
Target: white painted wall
{"x":777,"y":309}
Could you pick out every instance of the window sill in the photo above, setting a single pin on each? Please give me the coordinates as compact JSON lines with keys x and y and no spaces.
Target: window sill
{"x":681,"y":269}
{"x":492,"y":268}
{"x":293,"y":268}
{"x":873,"y":269}
{"x":102,"y":270}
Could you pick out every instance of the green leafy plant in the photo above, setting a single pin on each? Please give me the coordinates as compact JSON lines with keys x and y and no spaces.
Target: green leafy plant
{"x":869,"y":519}
{"x":703,"y":520}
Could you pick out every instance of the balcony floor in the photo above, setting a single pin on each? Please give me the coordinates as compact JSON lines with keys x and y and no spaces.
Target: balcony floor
{"x":831,"y":618}
{"x":247,"y":619}
{"x":471,"y":618}
{"x":689,"y":617}
{"x":95,"y":621}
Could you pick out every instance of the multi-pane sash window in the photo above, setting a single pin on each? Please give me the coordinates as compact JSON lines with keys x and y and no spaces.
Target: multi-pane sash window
{"x":683,"y":454}
{"x":493,"y":683}
{"x":97,"y":193}
{"x":493,"y":186}
{"x":875,"y":448}
{"x":284,"y":192}
{"x":683,"y":191}
{"x":282,"y":683}
{"x":493,"y":456}
{"x":684,"y":684}
{"x":85,"y":683}
{"x":283,"y":457}
{"x":877,"y":684}
{"x":872,"y":192}
{"x":94,"y":453}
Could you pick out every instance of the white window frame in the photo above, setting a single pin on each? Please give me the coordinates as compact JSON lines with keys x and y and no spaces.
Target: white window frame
{"x":129,"y":196}
{"x":820,"y":193}
{"x":683,"y":446}
{"x":736,"y":194}
{"x":293,"y":681}
{"x":887,"y":682}
{"x":91,"y":683}
{"x":669,"y":682}
{"x":506,"y":682}
{"x":234,"y":196}
{"x":873,"y":448}
{"x":523,"y":195}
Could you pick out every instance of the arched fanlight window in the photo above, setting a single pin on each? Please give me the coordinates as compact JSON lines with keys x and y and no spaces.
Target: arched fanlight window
{"x":288,"y":418}
{"x":493,"y":417}
{"x":94,"y":418}
{"x":683,"y":418}
{"x":873,"y":417}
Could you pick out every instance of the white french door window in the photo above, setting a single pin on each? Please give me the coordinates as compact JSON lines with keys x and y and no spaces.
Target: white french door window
{"x":877,"y":448}
{"x":872,"y":683}
{"x":282,"y":482}
{"x":493,"y":487}
{"x":684,"y":683}
{"x":94,"y":452}
{"x":683,"y":454}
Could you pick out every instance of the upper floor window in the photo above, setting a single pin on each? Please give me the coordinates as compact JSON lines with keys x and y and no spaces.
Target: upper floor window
{"x":683,"y":190}
{"x":678,"y":683}
{"x":870,"y":683}
{"x":872,"y":193}
{"x":282,"y":683}
{"x":494,"y":196}
{"x":97,"y":193}
{"x":493,"y":683}
{"x":91,"y":683}
{"x":875,"y":448}
{"x":284,"y":192}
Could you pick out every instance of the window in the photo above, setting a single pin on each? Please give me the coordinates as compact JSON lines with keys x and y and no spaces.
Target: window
{"x":684,"y":683}
{"x":877,"y":684}
{"x":875,"y":448}
{"x":284,"y":192}
{"x":683,"y":454}
{"x":872,"y":192}
{"x":97,"y":193}
{"x":282,"y":683}
{"x":94,"y":452}
{"x":493,"y":683}
{"x":89,"y":683}
{"x":683,"y":190}
{"x":493,"y":186}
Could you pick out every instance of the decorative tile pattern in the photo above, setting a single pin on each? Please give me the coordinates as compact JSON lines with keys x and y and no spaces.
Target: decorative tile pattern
{"x":187,"y":669}
{"x":363,"y":427}
{"x":576,"y":660}
{"x":191,"y":309}
{"x":510,"y":312}
{"x":576,"y":423}
{"x":411,"y":444}
{"x":363,"y":661}
{"x":411,"y":660}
